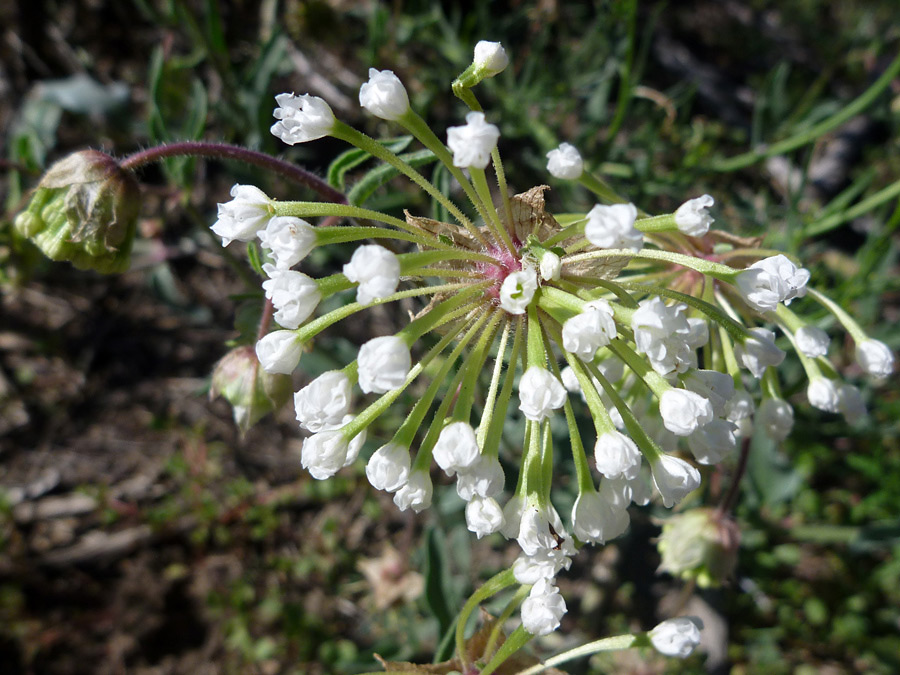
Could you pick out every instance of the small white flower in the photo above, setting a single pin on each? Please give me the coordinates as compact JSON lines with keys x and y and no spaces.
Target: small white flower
{"x":327,"y":452}
{"x":776,"y":418}
{"x":716,"y":387}
{"x":570,"y":380}
{"x":388,"y":468}
{"x":290,"y":239}
{"x":766,"y":283}
{"x":851,"y":403}
{"x":491,"y":57}
{"x":674,"y":478}
{"x":384,"y":363}
{"x":512,"y":514}
{"x":595,"y":520}
{"x":376,"y":270}
{"x":543,"y":609}
{"x":613,"y":227}
{"x":565,"y":162}
{"x":583,"y":334}
{"x":812,"y":341}
{"x":535,"y":527}
{"x":540,"y":393}
{"x":472,"y":144}
{"x":416,"y":494}
{"x":517,"y":290}
{"x":758,"y":352}
{"x":683,"y":411}
{"x":550,"y":266}
{"x":456,"y":448}
{"x":484,"y":479}
{"x":301,"y":118}
{"x":484,"y":516}
{"x":665,"y":335}
{"x":698,"y":333}
{"x":713,"y":442}
{"x":248,"y":211}
{"x":677,"y":637}
{"x":279,"y":352}
{"x":641,"y":488}
{"x":823,"y":394}
{"x":692,"y":218}
{"x":293,"y":294}
{"x":545,"y":563}
{"x":875,"y":358}
{"x":740,"y":407}
{"x":323,"y":402}
{"x":384,"y":95}
{"x":617,"y":455}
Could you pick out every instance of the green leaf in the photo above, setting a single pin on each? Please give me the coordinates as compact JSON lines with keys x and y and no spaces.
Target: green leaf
{"x":352,"y":158}
{"x":435,"y":574}
{"x":363,"y":189}
{"x":255,"y":258}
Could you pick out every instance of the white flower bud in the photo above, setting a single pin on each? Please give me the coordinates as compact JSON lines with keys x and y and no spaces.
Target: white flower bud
{"x":851,"y":403}
{"x":517,"y":290}
{"x":758,"y":352}
{"x":713,"y":442}
{"x":665,"y":335}
{"x":456,"y":448}
{"x":384,"y":95}
{"x":512,"y":515}
{"x":595,"y":520}
{"x":279,"y":352}
{"x":617,"y":456}
{"x":484,"y":516}
{"x":327,"y":452}
{"x":570,"y":380}
{"x":543,"y":609}
{"x":490,"y":57}
{"x":550,"y":266}
{"x":384,"y":363}
{"x":293,"y":294}
{"x":483,"y":479}
{"x":535,"y":529}
{"x":811,"y":341}
{"x":716,"y":387}
{"x":565,"y":162}
{"x":823,"y":394}
{"x":683,"y":411}
{"x":290,"y":239}
{"x":243,"y":216}
{"x":776,"y":418}
{"x":674,"y":479}
{"x":416,"y":494}
{"x":692,"y":218}
{"x":544,"y":563}
{"x":540,"y":393}
{"x":301,"y":118}
{"x":677,"y":637}
{"x":376,"y":270}
{"x":875,"y":358}
{"x":740,"y":407}
{"x":472,"y":144}
{"x":323,"y":402}
{"x":766,"y":283}
{"x":388,"y":468}
{"x":613,"y":227}
{"x":583,"y":334}
{"x":641,"y":488}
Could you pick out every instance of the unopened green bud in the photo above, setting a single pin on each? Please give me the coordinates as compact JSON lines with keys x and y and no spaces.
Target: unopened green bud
{"x":84,"y":210}
{"x":701,"y":544}
{"x":251,"y":391}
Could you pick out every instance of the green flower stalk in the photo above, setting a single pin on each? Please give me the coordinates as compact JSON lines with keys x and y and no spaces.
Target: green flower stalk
{"x":85,"y":211}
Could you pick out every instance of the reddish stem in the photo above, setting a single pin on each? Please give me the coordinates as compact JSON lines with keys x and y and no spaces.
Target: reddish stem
{"x":235,"y":152}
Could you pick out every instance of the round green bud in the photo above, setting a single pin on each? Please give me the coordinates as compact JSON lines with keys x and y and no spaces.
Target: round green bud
{"x":84,"y":210}
{"x":251,"y":391}
{"x":700,"y":544}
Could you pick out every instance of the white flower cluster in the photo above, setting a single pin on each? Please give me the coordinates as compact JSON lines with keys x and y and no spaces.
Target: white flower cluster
{"x":667,"y":336}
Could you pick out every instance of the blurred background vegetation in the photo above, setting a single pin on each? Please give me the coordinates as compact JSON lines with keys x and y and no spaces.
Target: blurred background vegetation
{"x":141,"y":533}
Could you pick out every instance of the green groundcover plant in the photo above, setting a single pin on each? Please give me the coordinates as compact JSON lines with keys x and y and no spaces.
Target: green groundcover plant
{"x":658,"y":329}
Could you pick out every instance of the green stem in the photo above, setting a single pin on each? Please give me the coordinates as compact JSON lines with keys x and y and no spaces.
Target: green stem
{"x":495,"y":418}
{"x":491,"y":399}
{"x":315,"y":209}
{"x":490,"y":587}
{"x":713,"y":269}
{"x":859,"y":209}
{"x":847,"y":321}
{"x":848,"y":112}
{"x":610,"y":644}
{"x":599,"y":187}
{"x":518,"y":639}
{"x":501,"y":620}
